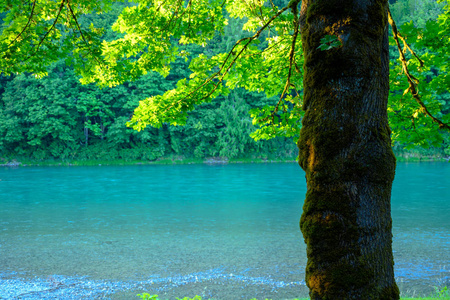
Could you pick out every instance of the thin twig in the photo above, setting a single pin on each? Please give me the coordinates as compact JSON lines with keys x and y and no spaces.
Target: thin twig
{"x":25,"y":27}
{"x":265,"y":50}
{"x":51,"y":27}
{"x":250,"y":39}
{"x":405,"y":44}
{"x":291,"y":63}
{"x":176,"y":13}
{"x":81,"y":33}
{"x":173,"y":16}
{"x":273,"y":5}
{"x":45,"y":35}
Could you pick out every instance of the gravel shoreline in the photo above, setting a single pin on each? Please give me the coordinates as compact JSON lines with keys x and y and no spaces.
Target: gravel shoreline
{"x":15,"y":286}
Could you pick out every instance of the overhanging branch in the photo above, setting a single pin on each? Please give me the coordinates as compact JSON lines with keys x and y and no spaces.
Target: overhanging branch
{"x":230,"y":53}
{"x":25,"y":27}
{"x":291,"y":59}
{"x":413,"y":81}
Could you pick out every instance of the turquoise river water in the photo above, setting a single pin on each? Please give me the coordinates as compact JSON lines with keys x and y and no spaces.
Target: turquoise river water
{"x":219,"y":231}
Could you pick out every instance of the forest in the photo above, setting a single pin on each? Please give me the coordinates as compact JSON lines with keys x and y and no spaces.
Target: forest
{"x":57,"y":118}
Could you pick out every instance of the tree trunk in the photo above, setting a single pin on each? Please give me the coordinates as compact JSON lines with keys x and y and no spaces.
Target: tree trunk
{"x":345,"y":150}
{"x":86,"y":132}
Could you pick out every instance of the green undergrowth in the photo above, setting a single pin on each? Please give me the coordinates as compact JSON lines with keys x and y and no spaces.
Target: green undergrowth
{"x":439,"y":294}
{"x":412,"y":158}
{"x":413,"y":155}
{"x":120,"y":162}
{"x":419,"y":154}
{"x":146,"y":296}
{"x":24,"y":162}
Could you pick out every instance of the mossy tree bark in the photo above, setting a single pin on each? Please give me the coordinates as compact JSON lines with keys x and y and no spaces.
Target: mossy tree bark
{"x":345,"y":150}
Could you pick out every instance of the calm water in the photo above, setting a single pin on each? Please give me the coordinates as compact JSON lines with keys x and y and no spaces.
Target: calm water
{"x":228,"y":231}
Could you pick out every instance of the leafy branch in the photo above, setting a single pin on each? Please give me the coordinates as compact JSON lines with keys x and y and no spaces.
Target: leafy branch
{"x":292,"y":5}
{"x":291,"y":58}
{"x":82,"y":35}
{"x":25,"y":27}
{"x":329,"y":42}
{"x":412,"y":81}
{"x":224,"y":69}
{"x":42,"y":39}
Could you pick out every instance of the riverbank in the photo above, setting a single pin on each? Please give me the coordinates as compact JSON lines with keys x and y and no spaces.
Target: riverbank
{"x":146,"y":296}
{"x":26,"y":162}
{"x":416,"y":157}
{"x":73,"y":287}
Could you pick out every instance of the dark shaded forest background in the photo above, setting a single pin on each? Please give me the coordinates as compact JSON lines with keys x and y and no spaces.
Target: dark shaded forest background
{"x":57,"y":118}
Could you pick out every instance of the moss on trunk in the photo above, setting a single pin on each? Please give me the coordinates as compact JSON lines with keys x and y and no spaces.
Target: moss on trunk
{"x":345,"y":150}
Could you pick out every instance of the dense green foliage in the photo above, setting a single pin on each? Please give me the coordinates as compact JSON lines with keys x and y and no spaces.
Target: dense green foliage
{"x":417,"y":11}
{"x":427,"y":32}
{"x":57,"y":117}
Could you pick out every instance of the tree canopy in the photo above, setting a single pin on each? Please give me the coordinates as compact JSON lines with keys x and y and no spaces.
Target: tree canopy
{"x":263,"y":54}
